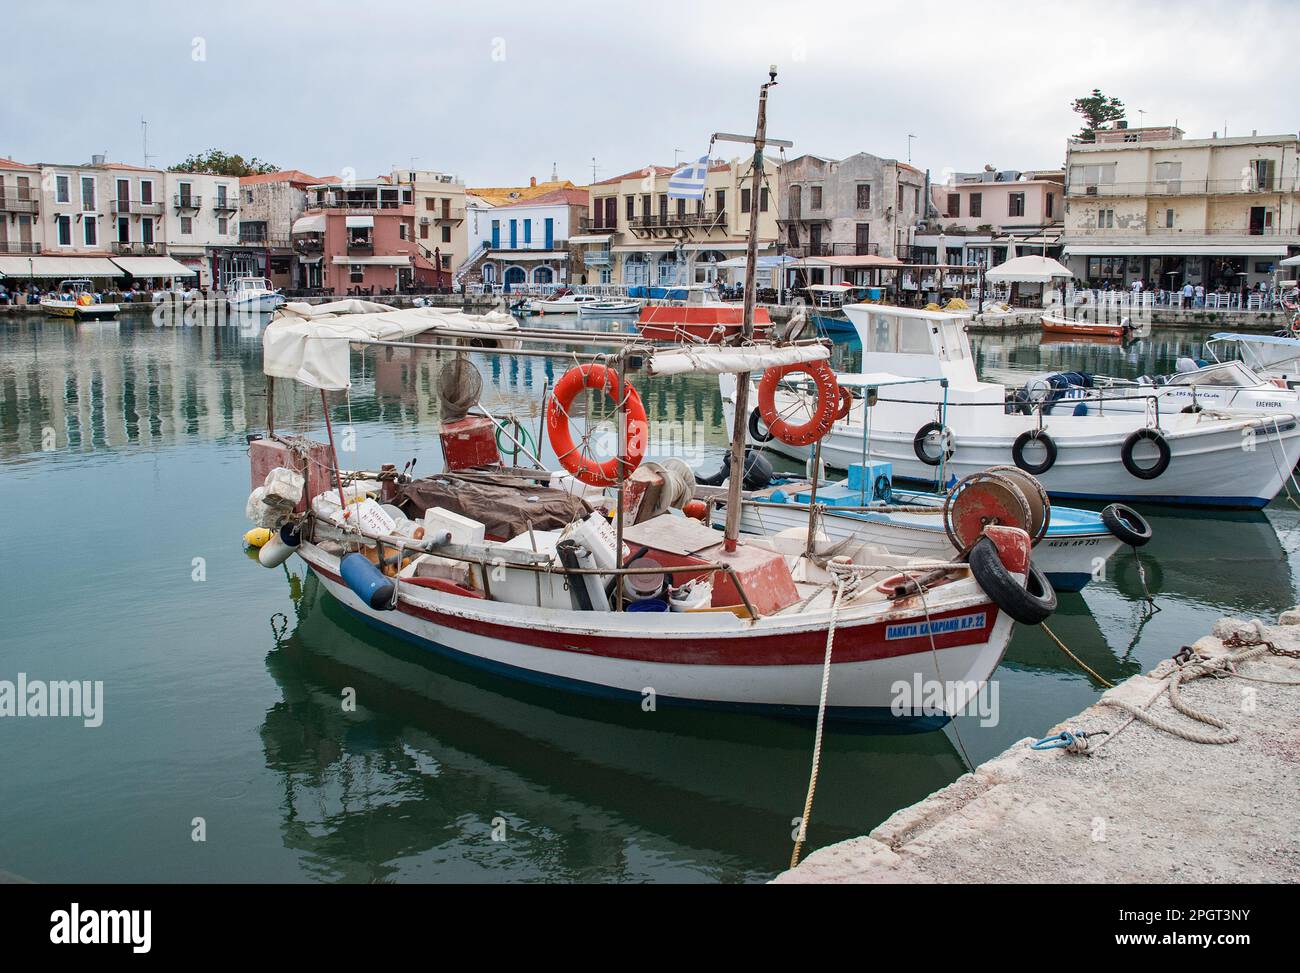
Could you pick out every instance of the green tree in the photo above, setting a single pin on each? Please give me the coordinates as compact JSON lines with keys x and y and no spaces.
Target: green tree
{"x":1097,"y":109}
{"x":218,"y":163}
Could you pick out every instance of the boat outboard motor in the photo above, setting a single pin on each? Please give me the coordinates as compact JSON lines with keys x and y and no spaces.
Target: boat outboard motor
{"x":758,"y":472}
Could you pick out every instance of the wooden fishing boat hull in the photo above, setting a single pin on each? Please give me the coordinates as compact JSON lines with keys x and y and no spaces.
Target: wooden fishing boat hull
{"x":672,"y":322}
{"x":715,"y":659}
{"x":1086,"y":329}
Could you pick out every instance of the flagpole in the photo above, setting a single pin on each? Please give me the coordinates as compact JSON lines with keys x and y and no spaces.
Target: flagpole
{"x":740,"y":424}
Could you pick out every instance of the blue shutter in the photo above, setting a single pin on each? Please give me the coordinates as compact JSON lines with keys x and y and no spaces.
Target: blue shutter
{"x":514,"y":234}
{"x":550,"y":234}
{"x":496,"y":234}
{"x":528,"y":232}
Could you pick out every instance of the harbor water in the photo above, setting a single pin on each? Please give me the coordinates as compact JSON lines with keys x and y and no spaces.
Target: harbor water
{"x":227,"y":687}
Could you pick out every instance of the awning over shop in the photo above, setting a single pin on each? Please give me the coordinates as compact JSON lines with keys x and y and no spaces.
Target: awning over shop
{"x":310,"y":260}
{"x":591,"y":238}
{"x":316,"y":223}
{"x":63,"y":268}
{"x":859,"y":262}
{"x":1291,"y":261}
{"x":763,"y":263}
{"x":643,"y":247}
{"x":360,"y":222}
{"x":372,"y":261}
{"x":153,"y":267}
{"x":1176,"y":250}
{"x":728,"y":247}
{"x":1028,"y":270}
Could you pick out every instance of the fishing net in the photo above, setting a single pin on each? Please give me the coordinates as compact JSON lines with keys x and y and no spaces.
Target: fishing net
{"x":459,"y":387}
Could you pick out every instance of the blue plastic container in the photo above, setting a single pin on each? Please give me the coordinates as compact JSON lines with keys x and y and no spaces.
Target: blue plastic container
{"x":367,"y":581}
{"x":644,"y":605}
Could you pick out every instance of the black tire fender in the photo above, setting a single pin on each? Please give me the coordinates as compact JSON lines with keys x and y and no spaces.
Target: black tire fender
{"x":1126,"y":453}
{"x":1029,"y":604}
{"x":756,"y":431}
{"x":1018,"y":452}
{"x":918,"y":442}
{"x":1126,"y":524}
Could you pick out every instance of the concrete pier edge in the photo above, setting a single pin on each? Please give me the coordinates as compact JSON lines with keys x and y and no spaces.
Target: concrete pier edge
{"x":1146,"y":807}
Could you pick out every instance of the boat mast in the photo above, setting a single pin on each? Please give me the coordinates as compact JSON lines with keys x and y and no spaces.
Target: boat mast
{"x":740,"y":425}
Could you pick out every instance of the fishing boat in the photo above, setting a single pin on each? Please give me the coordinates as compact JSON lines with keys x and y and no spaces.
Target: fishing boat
{"x":1225,"y":387}
{"x":609,"y":307}
{"x":865,"y":507}
{"x":1054,"y":324}
{"x":253,"y":294}
{"x":936,"y":422}
{"x":701,"y":316}
{"x":76,"y":299}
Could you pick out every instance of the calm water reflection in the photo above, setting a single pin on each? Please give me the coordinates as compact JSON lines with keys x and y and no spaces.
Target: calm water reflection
{"x":123,"y":457}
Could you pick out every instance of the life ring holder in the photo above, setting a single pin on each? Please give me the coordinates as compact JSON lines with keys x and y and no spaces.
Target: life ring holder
{"x":595,"y":376}
{"x":828,"y":401}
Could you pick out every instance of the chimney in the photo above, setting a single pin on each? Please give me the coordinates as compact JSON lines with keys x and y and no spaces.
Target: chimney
{"x":532,"y":182}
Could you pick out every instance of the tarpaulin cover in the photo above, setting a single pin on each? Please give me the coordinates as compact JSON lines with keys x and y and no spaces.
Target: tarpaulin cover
{"x":311,"y":344}
{"x":503,"y":505}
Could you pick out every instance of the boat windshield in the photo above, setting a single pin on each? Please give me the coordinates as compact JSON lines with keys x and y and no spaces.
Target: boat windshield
{"x":250,"y":284}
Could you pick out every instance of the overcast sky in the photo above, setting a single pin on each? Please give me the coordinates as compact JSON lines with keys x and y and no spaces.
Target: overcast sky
{"x":499,"y":91}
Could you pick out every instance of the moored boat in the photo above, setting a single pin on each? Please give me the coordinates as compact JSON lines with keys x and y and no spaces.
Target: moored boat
{"x":253,"y":294}
{"x":76,"y":300}
{"x":701,"y":317}
{"x":563,"y":304}
{"x":1055,"y":324}
{"x":609,"y":306}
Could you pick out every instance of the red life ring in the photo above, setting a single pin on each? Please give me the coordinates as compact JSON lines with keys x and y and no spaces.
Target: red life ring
{"x":846,"y":404}
{"x":594,"y":376}
{"x":828,"y":403}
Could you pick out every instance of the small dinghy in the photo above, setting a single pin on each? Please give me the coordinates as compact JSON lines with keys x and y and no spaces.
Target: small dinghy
{"x":1054,"y":324}
{"x":609,"y":307}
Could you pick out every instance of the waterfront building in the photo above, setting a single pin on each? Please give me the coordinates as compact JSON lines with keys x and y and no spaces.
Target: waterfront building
{"x":20,"y":206}
{"x":366,"y":231}
{"x":977,"y":216}
{"x":1148,"y":204}
{"x":527,"y":241}
{"x":202,"y":232}
{"x":270,"y":203}
{"x":639,"y":236}
{"x":440,"y":235}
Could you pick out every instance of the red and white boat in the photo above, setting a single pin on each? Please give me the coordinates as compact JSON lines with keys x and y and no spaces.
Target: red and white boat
{"x":758,"y":641}
{"x":702,"y":317}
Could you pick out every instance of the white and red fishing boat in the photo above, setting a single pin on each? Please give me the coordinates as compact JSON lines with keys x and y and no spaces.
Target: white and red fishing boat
{"x":1056,"y":324}
{"x":702,"y":316}
{"x":597,"y":579}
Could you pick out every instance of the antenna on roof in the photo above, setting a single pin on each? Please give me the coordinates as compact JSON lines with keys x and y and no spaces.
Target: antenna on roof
{"x":594,"y":168}
{"x":909,"y":148}
{"x":144,"y":142}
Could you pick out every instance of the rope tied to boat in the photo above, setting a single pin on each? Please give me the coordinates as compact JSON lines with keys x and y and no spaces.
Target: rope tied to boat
{"x":821,"y":722}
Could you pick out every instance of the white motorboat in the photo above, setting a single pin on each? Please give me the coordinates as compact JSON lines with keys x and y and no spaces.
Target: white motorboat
{"x":1274,"y":357}
{"x":934,"y":420}
{"x":566,"y":304}
{"x":76,"y":299}
{"x":1227,"y":386}
{"x":253,"y":294}
{"x":610,"y":307}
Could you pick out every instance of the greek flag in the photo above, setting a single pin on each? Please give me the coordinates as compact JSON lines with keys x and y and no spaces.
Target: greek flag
{"x":688,"y":181}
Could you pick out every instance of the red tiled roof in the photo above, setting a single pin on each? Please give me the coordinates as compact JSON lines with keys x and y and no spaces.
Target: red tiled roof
{"x":556,"y":197}
{"x":636,"y":174}
{"x":287,"y":175}
{"x":6,"y":163}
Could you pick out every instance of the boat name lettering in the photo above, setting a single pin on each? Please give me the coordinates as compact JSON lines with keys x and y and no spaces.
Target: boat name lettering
{"x":935,"y":626}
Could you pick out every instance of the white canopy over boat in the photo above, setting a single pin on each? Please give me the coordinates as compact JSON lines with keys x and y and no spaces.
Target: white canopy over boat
{"x":1028,"y":270}
{"x":311,"y":343}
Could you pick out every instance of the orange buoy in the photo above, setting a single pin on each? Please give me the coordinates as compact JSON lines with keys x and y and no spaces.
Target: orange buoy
{"x":595,"y":376}
{"x":696,"y":510}
{"x":828,"y":402}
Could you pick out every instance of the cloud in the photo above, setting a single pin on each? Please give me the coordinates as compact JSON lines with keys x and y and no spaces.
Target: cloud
{"x":500,"y":92}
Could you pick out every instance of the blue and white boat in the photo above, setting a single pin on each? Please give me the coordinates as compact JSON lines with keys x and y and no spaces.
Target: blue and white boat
{"x":1073,"y":550}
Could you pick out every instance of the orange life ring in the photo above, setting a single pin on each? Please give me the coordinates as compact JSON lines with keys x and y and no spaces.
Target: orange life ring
{"x":594,"y":376}
{"x":846,"y":404}
{"x":828,"y":403}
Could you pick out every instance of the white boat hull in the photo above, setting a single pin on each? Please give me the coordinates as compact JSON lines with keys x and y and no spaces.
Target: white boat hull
{"x":711,"y":658}
{"x":1237,"y":462}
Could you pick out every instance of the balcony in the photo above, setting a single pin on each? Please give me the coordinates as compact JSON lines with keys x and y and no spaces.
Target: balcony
{"x":1185,"y":187}
{"x":20,"y":246}
{"x":18,"y":204}
{"x":263,"y":241}
{"x":453,"y":214}
{"x":309,"y":244}
{"x":361,"y":245}
{"x":182,"y":201}
{"x":362,"y":205}
{"x":135,"y":207}
{"x":1178,"y":233}
{"x":225,"y":204}
{"x":139,"y":249}
{"x":597,"y":258}
{"x":673,"y":224}
{"x":833,"y":250}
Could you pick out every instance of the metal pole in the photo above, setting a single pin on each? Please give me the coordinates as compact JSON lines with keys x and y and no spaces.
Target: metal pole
{"x":739,"y":425}
{"x":622,"y":449}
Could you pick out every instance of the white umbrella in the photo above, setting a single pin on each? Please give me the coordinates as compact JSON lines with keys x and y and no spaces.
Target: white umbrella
{"x":1031,"y":269}
{"x":1011,"y":248}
